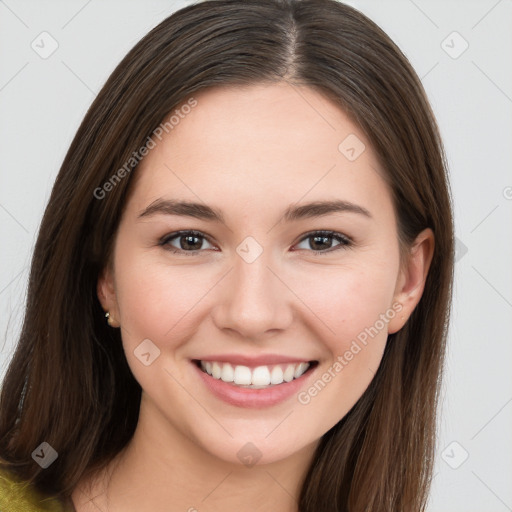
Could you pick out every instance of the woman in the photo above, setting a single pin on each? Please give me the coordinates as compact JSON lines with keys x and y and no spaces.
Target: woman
{"x":240,"y":292}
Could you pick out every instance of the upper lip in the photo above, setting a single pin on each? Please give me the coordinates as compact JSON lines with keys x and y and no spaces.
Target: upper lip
{"x":260,"y":360}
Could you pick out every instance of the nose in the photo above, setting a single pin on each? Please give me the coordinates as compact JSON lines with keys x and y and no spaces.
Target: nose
{"x":254,"y":301}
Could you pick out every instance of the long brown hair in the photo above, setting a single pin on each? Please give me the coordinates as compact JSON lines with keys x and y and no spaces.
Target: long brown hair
{"x":69,"y":383}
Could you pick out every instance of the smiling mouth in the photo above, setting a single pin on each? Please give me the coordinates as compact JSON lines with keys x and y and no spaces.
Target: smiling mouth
{"x":259,"y":377}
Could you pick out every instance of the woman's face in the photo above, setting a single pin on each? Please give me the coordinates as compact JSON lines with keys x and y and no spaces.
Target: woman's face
{"x":255,"y":286}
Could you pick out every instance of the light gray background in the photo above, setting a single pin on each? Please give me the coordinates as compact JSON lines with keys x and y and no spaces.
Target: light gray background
{"x":42,"y":102}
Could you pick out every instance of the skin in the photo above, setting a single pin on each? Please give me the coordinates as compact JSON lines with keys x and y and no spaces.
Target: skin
{"x":249,"y":152}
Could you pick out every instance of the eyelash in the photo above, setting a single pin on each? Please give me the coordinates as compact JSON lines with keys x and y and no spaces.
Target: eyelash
{"x":345,"y":242}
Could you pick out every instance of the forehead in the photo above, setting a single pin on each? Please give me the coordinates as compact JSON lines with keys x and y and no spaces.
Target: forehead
{"x":261,"y":144}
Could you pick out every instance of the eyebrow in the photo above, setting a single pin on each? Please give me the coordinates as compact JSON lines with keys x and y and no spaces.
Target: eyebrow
{"x":292,"y":213}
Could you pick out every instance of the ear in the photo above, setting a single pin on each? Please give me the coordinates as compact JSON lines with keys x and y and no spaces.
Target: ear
{"x":107,"y":295}
{"x":411,"y":279}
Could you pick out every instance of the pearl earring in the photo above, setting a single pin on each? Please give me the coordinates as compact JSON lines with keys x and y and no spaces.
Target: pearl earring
{"x":110,"y":320}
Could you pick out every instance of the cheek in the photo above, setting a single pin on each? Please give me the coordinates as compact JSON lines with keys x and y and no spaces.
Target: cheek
{"x":348,"y":302}
{"x":353,"y":310}
{"x":158,"y":300}
{"x":355,"y":353}
{"x":356,"y":306}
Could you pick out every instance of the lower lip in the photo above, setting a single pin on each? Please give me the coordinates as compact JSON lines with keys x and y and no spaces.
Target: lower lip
{"x":253,"y":398}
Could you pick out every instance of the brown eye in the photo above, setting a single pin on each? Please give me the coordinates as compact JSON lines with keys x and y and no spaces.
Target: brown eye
{"x":322,"y":241}
{"x":184,"y":241}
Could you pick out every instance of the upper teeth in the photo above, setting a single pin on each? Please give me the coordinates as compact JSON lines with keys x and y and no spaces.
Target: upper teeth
{"x":259,"y":376}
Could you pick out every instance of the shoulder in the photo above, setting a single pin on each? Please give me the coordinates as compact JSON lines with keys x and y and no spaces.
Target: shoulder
{"x":19,"y":496}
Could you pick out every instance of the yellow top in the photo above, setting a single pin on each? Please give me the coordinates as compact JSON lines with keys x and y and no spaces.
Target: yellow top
{"x":19,"y":496}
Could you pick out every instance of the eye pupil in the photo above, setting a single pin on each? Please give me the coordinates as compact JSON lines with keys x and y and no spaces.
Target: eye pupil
{"x":190,"y":245}
{"x":319,"y":239}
